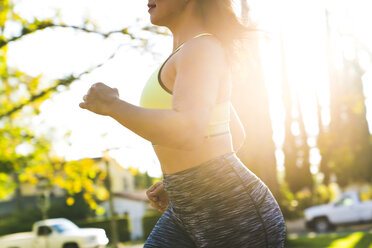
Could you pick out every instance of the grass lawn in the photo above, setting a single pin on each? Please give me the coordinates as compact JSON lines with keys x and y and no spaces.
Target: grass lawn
{"x":333,"y":240}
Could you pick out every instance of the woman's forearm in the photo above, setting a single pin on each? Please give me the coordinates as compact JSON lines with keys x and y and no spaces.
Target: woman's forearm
{"x":237,"y":130}
{"x":160,"y":126}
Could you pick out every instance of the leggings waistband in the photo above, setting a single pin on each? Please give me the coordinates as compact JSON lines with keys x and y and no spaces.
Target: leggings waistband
{"x":223,"y":158}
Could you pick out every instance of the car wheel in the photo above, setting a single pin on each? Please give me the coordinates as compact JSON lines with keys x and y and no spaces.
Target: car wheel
{"x":71,"y":245}
{"x":322,"y":225}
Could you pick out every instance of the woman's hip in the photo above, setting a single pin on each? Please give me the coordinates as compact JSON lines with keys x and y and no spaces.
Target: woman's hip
{"x":221,"y":184}
{"x":223,"y":177}
{"x":221,"y":198}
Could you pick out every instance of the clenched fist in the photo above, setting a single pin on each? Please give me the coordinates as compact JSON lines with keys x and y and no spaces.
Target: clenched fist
{"x":158,"y":197}
{"x":100,"y":98}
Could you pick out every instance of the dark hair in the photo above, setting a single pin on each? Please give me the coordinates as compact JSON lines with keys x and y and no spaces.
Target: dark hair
{"x":220,"y":19}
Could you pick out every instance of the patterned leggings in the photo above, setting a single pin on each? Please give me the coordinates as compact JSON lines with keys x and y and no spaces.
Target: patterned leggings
{"x":218,"y":204}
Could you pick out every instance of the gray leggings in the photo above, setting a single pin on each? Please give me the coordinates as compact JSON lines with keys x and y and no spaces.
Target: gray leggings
{"x":218,"y":204}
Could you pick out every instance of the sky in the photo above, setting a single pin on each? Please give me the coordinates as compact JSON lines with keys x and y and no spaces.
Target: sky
{"x":55,"y":53}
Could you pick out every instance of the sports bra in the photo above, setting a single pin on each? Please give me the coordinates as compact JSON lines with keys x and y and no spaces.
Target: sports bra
{"x":155,"y":95}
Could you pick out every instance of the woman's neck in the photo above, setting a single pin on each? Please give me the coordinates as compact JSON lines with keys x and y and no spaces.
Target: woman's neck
{"x":186,"y":27}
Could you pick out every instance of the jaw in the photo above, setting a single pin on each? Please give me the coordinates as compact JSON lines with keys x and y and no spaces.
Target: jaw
{"x":168,"y":13}
{"x":169,"y":20}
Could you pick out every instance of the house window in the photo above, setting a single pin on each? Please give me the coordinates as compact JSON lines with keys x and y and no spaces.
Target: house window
{"x":126,"y":185}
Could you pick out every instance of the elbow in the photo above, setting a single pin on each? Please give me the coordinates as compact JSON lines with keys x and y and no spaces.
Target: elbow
{"x":239,"y":140}
{"x":243,"y":135}
{"x":189,"y":132}
{"x":191,"y":137}
{"x":191,"y":143}
{"x":237,"y":147}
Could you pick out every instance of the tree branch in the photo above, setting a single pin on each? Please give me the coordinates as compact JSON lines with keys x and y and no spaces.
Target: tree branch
{"x":30,"y":28}
{"x":61,"y":82}
{"x":34,"y":27}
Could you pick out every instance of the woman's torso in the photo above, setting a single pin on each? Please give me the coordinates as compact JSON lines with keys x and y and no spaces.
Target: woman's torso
{"x":173,"y":160}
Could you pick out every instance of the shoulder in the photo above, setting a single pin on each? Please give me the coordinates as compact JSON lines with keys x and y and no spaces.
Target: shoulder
{"x":207,"y":43}
{"x":204,"y":49}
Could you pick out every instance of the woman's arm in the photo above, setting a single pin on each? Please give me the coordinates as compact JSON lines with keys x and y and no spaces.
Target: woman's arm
{"x":163,"y":127}
{"x":198,"y":71}
{"x":236,"y":129}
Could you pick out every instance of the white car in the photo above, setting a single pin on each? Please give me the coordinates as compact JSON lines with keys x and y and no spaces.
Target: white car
{"x":349,"y":209}
{"x":56,"y":233}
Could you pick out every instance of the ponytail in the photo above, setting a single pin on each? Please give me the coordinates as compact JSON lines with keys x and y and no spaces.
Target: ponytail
{"x":219,"y":18}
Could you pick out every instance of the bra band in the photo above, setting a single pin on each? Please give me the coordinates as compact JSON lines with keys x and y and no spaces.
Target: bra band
{"x":207,"y":136}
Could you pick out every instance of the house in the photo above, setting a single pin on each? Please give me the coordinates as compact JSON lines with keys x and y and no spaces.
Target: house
{"x":134,"y":204}
{"x":126,"y":200}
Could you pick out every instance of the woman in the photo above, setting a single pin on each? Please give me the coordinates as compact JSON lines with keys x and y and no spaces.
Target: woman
{"x":209,"y":198}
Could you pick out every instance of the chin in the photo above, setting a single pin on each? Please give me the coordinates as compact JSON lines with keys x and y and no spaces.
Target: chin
{"x":156,"y":22}
{"x":155,"y":19}
{"x":159,"y":19}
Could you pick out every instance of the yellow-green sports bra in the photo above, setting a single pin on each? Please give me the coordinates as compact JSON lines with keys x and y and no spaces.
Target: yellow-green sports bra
{"x":156,"y":96}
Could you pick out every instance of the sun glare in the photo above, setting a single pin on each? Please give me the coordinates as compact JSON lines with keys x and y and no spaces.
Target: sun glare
{"x":301,"y":26}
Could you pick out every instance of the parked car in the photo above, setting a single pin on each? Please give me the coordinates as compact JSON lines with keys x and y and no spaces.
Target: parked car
{"x":347,"y":210}
{"x":56,"y":233}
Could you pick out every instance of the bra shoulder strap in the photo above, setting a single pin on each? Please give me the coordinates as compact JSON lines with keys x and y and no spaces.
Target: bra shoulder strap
{"x":196,"y":36}
{"x":177,"y":49}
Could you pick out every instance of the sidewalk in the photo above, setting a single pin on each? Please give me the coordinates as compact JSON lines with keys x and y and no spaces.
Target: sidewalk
{"x":131,"y":246}
{"x":296,"y":226}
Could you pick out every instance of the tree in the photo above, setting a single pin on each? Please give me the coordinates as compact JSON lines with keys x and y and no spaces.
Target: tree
{"x":24,"y":156}
{"x":322,"y":145}
{"x":347,"y":148}
{"x":295,"y":148}
{"x":258,"y":151}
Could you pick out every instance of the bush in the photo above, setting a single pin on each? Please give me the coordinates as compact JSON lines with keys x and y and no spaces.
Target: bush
{"x":293,"y":204}
{"x":122,"y":227}
{"x":149,"y":221}
{"x":287,"y":202}
{"x":79,"y":210}
{"x":20,"y":221}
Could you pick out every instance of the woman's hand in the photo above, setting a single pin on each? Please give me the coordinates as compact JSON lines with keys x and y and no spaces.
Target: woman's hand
{"x":99,"y":99}
{"x":158,"y":197}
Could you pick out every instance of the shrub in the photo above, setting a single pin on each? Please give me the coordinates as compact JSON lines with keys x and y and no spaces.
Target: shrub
{"x":79,"y":210}
{"x":20,"y":221}
{"x":293,"y":204}
{"x":122,"y":227}
{"x":149,"y":221}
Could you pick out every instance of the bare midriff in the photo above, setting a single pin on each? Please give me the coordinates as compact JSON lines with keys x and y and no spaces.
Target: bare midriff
{"x":173,"y":160}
